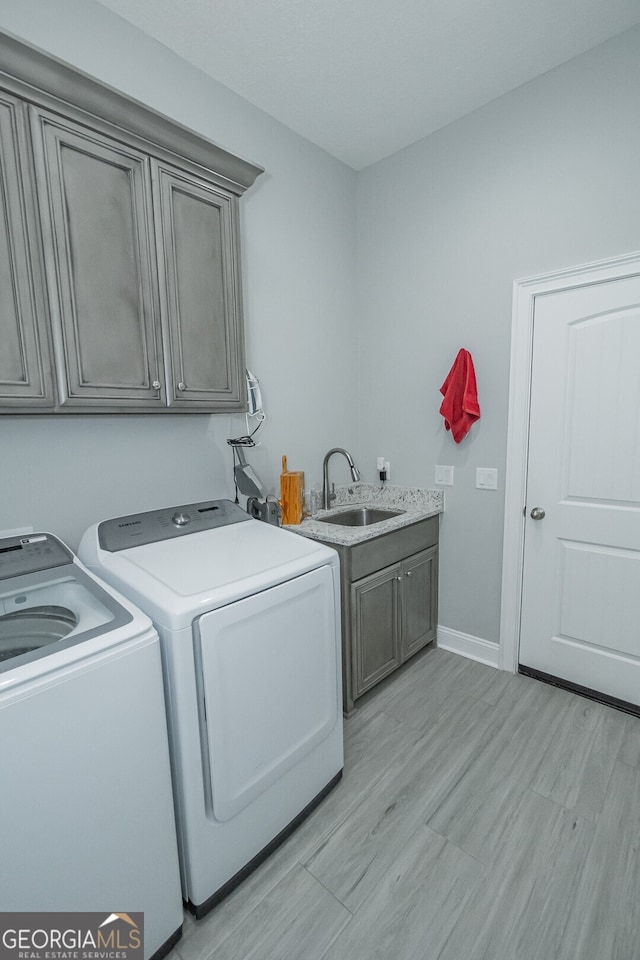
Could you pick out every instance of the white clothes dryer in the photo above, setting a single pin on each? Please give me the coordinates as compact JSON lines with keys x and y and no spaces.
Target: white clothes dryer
{"x":87,"y":820}
{"x":249,"y":622}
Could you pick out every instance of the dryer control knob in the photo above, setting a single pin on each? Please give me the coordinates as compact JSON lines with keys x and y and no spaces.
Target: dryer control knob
{"x":180,"y":519}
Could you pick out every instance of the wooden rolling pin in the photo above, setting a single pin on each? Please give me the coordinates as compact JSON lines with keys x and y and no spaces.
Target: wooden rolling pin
{"x":291,"y":494}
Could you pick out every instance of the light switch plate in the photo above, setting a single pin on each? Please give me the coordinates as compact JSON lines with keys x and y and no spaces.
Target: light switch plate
{"x":486,"y":478}
{"x":444,"y":476}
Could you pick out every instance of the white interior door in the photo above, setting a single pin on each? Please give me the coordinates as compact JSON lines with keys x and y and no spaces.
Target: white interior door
{"x":580,"y":614}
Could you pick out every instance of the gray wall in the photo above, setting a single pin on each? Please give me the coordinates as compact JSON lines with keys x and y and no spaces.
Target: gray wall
{"x":543,"y":178}
{"x":298,"y":224}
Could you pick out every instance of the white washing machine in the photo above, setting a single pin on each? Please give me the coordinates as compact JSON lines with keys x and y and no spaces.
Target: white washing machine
{"x":249,"y":622}
{"x":87,"y":821}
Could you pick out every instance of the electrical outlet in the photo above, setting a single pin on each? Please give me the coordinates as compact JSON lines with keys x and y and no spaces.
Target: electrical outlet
{"x":444,"y":476}
{"x":486,"y":478}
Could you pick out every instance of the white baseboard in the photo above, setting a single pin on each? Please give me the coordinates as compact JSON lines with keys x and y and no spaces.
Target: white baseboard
{"x":475,"y":648}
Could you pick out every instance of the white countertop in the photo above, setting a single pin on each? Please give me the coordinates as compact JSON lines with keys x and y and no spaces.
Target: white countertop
{"x":416,"y":504}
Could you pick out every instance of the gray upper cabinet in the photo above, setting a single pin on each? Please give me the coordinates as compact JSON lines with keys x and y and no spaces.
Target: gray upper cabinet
{"x":199,"y":290}
{"x":119,"y":251}
{"x":95,"y":206}
{"x":25,"y":363}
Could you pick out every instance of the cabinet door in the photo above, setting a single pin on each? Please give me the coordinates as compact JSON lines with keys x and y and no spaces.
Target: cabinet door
{"x":25,"y":366}
{"x":419,"y":601}
{"x":375,"y":627}
{"x":95,"y":200}
{"x":200,"y":296}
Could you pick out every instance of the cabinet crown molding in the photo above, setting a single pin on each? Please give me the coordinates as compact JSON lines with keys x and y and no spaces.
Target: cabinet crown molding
{"x":40,"y":77}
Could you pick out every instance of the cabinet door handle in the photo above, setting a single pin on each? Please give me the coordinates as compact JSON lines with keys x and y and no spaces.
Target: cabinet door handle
{"x":408,"y":573}
{"x":156,"y":384}
{"x":181,"y":385}
{"x":398,"y":578}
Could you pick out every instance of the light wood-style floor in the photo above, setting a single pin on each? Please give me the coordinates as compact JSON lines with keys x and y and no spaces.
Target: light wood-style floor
{"x":481,"y":816}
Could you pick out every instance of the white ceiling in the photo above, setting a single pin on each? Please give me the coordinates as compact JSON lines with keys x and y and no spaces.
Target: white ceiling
{"x":364,"y":78}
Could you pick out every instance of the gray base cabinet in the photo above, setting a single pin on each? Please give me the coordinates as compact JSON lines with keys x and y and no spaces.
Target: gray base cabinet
{"x":119,"y":251}
{"x":419,"y":575}
{"x":389,"y":591}
{"x":375,"y":628}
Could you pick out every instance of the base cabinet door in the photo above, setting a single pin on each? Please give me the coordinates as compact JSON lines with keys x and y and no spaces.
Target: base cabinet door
{"x":375,"y":628}
{"x":198,"y":257}
{"x":393,"y":614}
{"x":95,"y":199}
{"x":25,"y":365}
{"x":419,"y":601}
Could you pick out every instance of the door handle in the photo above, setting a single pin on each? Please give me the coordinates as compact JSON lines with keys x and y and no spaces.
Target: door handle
{"x":537,"y":513}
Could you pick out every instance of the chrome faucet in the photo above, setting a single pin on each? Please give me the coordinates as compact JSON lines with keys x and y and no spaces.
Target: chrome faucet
{"x":327,"y":497}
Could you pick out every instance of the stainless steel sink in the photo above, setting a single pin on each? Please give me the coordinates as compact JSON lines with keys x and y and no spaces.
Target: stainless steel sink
{"x":360,"y":516}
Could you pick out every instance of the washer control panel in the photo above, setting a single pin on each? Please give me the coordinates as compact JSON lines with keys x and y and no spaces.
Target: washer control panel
{"x":33,"y":552}
{"x":140,"y":528}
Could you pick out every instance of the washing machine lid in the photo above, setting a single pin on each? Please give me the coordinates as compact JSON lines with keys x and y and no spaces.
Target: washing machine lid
{"x":47,"y":602}
{"x":175,"y":580}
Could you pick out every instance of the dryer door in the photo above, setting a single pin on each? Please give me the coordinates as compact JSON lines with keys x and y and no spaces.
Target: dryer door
{"x":269,"y":678}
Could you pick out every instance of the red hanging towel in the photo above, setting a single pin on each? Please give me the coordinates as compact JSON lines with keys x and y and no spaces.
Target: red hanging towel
{"x":460,"y":407}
